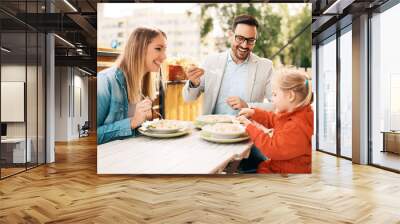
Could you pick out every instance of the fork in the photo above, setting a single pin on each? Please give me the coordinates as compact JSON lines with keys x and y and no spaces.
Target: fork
{"x":152,"y":110}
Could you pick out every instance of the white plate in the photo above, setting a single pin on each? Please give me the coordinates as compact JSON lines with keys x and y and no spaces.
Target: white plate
{"x":149,"y":133}
{"x":165,"y":130}
{"x":206,"y":136}
{"x":213,"y":119}
{"x":215,"y":133}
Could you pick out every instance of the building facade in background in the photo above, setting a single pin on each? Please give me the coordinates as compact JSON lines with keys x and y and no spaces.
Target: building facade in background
{"x":182,"y":26}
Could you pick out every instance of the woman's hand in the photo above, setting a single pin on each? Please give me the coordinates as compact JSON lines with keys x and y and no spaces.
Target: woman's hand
{"x":149,"y":115}
{"x":142,"y":111}
{"x":247,"y":112}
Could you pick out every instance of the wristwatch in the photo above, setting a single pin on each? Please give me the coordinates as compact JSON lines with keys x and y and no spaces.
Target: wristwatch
{"x":191,"y":85}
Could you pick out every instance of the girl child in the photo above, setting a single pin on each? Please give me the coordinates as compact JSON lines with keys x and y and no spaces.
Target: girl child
{"x":284,"y":136}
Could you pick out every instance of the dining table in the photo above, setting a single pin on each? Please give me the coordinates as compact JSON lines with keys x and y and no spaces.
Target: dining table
{"x":188,"y":154}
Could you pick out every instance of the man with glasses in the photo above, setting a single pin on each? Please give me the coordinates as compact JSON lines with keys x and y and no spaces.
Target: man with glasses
{"x":233,"y":79}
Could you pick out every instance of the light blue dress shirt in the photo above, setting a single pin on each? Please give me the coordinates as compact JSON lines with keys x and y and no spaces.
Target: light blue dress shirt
{"x":233,"y":84}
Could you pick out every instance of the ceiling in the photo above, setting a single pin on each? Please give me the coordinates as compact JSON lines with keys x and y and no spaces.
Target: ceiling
{"x":76,"y":23}
{"x":330,"y":15}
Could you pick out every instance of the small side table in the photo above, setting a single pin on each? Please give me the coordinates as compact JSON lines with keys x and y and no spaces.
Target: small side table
{"x":391,"y":141}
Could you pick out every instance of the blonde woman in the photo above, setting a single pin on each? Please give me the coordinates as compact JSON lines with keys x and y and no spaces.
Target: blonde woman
{"x":121,"y":103}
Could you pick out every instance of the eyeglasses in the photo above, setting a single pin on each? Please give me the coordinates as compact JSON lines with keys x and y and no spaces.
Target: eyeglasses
{"x":240,"y":39}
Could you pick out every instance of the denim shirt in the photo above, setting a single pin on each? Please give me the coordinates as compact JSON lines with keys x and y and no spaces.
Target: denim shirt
{"x":112,"y":107}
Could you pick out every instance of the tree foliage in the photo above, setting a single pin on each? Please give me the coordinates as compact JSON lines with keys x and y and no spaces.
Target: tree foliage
{"x":276,"y":28}
{"x":300,"y":50}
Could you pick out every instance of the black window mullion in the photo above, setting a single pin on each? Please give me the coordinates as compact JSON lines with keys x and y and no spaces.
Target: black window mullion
{"x":369,"y":79}
{"x":338,"y":94}
{"x":316,"y":97}
{"x":46,"y":2}
{"x":37,"y":90}
{"x":26,"y":86}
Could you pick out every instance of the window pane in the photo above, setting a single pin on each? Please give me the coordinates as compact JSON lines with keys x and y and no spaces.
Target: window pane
{"x":346,"y":94}
{"x":22,"y":78}
{"x":41,"y":98}
{"x":315,"y":92}
{"x":31,"y":99}
{"x":327,"y":97}
{"x":15,"y":150}
{"x":385,"y":88}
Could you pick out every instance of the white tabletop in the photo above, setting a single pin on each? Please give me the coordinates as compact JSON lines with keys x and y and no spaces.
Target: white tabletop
{"x":182,"y":155}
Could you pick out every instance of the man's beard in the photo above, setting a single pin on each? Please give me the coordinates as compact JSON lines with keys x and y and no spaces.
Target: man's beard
{"x":240,"y":54}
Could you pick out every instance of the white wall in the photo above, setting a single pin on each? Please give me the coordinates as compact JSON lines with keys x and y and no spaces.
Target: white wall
{"x":61,"y":103}
{"x":67,"y":115}
{"x":80,"y":87}
{"x":80,"y":118}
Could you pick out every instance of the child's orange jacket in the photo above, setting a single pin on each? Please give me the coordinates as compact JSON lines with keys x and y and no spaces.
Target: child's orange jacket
{"x":289,"y":148}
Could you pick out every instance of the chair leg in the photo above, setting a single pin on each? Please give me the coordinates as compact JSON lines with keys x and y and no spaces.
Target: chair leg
{"x":233,"y":166}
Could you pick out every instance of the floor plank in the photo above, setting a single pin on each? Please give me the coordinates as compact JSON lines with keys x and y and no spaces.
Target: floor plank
{"x":387,"y":159}
{"x":70,"y":191}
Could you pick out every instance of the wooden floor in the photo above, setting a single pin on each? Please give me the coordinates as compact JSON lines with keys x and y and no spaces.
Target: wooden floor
{"x":387,"y":159}
{"x":69,"y":191}
{"x":10,"y":171}
{"x":5,"y":172}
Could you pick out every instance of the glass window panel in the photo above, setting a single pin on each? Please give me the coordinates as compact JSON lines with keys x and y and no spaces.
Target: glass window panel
{"x":314,"y":87}
{"x":385,"y":88}
{"x":31,"y":97}
{"x":22,"y":62}
{"x":346,"y":94}
{"x":13,"y":84}
{"x":327,"y":96}
{"x":41,"y":98}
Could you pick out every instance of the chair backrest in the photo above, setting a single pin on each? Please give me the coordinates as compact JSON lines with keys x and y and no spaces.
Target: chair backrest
{"x":86,"y":125}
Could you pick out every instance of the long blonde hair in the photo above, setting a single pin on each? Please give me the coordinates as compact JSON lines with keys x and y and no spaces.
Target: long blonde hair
{"x":132,"y":63}
{"x":297,"y":81}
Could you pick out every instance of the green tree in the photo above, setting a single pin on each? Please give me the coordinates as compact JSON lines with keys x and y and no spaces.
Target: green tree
{"x":276,"y":28}
{"x":268,"y":40}
{"x":300,"y":49}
